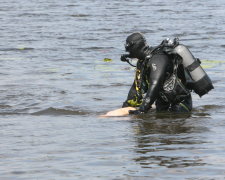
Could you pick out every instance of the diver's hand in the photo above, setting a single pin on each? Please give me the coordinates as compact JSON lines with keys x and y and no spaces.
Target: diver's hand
{"x":125,"y":104}
{"x":135,"y":112}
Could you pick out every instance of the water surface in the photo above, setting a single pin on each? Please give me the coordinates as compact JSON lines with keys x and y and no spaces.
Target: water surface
{"x":55,"y":84}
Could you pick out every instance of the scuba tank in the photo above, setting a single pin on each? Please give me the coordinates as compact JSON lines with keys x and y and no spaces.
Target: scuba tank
{"x":202,"y":83}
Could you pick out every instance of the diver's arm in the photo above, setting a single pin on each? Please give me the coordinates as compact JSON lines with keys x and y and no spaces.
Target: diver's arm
{"x":132,"y":91}
{"x":133,"y":95}
{"x":157,"y":67}
{"x":130,"y":96}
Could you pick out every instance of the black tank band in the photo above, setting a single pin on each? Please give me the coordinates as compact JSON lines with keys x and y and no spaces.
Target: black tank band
{"x":193,"y":66}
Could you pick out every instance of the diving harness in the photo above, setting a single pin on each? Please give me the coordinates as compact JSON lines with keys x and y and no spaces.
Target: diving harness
{"x":201,"y":83}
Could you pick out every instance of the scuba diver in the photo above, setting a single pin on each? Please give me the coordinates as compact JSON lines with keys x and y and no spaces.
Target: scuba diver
{"x":165,"y":75}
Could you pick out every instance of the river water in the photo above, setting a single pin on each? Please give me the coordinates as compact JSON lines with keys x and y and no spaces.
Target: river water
{"x":55,"y":84}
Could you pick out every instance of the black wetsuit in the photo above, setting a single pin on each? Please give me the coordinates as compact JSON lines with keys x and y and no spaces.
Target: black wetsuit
{"x":150,"y":77}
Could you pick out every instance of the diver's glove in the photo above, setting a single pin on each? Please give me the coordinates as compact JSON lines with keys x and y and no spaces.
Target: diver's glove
{"x":136,"y":112}
{"x":125,"y":104}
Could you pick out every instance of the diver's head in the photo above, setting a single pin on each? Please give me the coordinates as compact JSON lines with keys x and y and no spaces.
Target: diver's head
{"x":135,"y":44}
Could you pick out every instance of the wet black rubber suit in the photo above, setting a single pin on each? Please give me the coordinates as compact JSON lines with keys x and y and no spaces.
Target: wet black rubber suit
{"x":151,"y":72}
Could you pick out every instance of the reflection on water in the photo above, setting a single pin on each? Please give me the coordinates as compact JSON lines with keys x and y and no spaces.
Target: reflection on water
{"x":167,"y":141}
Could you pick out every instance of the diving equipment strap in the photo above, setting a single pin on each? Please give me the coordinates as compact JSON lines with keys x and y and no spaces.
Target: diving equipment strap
{"x":193,"y":66}
{"x":173,"y":88}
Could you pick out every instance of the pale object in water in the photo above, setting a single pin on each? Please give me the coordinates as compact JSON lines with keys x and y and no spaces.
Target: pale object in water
{"x":119,"y":112}
{"x":122,"y":111}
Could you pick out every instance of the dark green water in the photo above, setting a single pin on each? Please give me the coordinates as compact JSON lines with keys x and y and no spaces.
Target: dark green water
{"x":55,"y":84}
